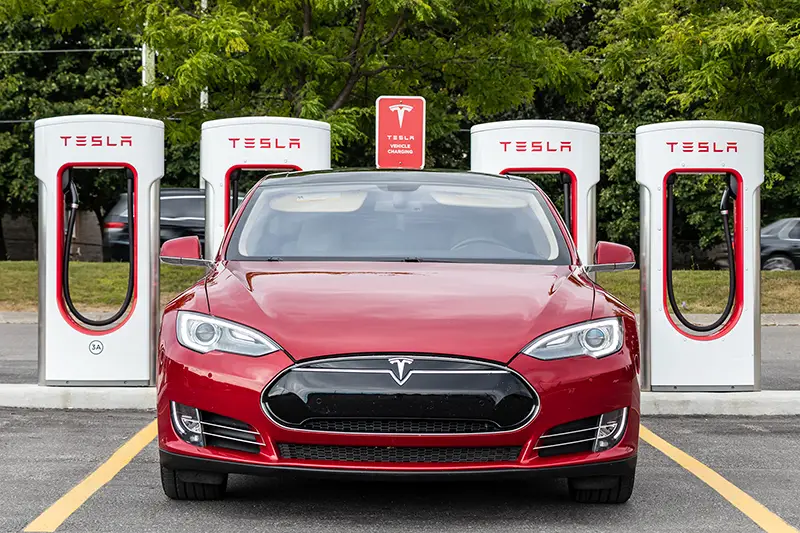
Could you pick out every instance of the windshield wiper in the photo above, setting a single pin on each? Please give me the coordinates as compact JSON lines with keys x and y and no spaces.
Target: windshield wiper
{"x":412,"y":260}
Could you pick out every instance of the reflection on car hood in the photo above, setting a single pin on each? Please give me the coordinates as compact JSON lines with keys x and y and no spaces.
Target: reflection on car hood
{"x":312,"y":309}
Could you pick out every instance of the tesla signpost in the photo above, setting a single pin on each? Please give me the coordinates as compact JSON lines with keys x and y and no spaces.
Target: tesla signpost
{"x":400,"y":132}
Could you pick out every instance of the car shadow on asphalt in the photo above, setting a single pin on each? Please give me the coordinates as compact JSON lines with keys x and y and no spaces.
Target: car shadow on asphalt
{"x":368,"y":505}
{"x":416,"y":493}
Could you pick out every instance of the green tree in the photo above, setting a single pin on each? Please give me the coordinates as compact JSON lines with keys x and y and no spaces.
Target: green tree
{"x":39,"y":85}
{"x":329,"y":60}
{"x":722,"y":60}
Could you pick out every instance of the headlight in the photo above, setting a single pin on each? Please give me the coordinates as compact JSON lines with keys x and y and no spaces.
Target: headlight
{"x":203,"y":333}
{"x":597,"y":338}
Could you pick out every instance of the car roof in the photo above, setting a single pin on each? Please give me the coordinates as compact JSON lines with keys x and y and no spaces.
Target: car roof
{"x":454,"y":177}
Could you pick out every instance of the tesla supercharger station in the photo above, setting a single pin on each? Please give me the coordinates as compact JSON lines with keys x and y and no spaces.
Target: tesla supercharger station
{"x":570,"y":149}
{"x":73,"y":349}
{"x":677,"y":354}
{"x":228,"y":146}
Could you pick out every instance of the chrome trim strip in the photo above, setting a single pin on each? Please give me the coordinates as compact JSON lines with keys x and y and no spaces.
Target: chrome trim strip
{"x":229,"y":428}
{"x":591,"y":228}
{"x":609,"y":267}
{"x":41,"y":260}
{"x":645,"y":227}
{"x":155,"y":273}
{"x":564,"y":443}
{"x":209,"y":251}
{"x":756,"y":269}
{"x":382,"y":371}
{"x":400,"y":382}
{"x":183,"y":261}
{"x":207,"y":434}
{"x":594,"y":428}
{"x":532,"y":416}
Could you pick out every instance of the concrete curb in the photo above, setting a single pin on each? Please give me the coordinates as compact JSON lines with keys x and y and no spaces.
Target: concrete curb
{"x":36,"y":397}
{"x":19,"y":317}
{"x":764,"y":403}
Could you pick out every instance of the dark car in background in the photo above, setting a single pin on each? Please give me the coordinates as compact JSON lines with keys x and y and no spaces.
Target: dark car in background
{"x":182,"y":215}
{"x":780,"y":245}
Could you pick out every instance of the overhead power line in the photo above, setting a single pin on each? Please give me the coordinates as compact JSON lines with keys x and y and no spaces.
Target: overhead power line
{"x":68,"y":51}
{"x":623,"y":133}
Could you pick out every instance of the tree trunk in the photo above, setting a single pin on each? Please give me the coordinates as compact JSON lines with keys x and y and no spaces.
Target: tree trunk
{"x":3,"y":249}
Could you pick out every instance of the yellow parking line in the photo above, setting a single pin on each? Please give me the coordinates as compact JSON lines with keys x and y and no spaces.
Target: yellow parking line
{"x":766,"y":519}
{"x":55,"y":515}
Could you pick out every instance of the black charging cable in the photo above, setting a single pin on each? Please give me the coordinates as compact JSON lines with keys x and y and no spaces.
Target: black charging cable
{"x":566,"y":181}
{"x":727,"y":197}
{"x":72,"y":189}
{"x":234,"y":179}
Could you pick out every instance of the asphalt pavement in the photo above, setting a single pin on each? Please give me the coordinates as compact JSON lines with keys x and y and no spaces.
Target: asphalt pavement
{"x":18,"y":353}
{"x":46,"y":453}
{"x":780,"y":355}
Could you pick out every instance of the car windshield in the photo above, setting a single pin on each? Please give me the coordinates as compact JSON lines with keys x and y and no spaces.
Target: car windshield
{"x":398,"y":221}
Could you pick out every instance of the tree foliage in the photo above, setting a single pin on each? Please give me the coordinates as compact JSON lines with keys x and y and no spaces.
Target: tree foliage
{"x":616,"y":63}
{"x":329,"y":60}
{"x":34,"y":86}
{"x":722,"y":60}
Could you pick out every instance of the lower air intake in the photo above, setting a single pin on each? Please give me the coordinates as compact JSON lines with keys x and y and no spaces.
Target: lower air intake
{"x":572,"y":437}
{"x":389,"y":454}
{"x":225,"y":432}
{"x":400,"y":426}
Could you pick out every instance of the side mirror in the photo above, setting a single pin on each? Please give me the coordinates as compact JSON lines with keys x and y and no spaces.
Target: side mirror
{"x":609,"y":256}
{"x":183,"y":251}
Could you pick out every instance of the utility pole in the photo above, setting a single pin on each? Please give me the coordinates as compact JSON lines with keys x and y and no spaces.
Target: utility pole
{"x":148,"y":65}
{"x":204,"y":92}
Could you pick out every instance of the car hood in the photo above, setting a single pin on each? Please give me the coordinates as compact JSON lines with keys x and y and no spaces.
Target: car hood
{"x":312,"y":309}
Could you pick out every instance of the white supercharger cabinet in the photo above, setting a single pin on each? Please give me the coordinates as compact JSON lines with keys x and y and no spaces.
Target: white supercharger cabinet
{"x":675,"y":359}
{"x":254,"y":143}
{"x":72,"y":353}
{"x":546,"y":147}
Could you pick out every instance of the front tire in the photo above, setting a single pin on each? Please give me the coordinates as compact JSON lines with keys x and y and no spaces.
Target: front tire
{"x":179,"y":485}
{"x":615,"y":490}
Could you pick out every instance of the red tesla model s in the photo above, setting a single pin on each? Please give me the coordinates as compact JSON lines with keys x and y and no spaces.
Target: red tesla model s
{"x":396,"y":323}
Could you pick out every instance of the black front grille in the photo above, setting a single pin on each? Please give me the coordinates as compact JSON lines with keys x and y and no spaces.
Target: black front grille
{"x":400,"y":394}
{"x":400,"y":426}
{"x":572,"y":437}
{"x":390,"y":454}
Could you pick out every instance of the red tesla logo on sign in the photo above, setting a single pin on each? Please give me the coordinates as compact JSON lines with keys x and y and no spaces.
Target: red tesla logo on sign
{"x":400,"y":132}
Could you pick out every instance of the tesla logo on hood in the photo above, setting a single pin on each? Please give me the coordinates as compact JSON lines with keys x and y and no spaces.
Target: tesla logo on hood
{"x":400,"y":363}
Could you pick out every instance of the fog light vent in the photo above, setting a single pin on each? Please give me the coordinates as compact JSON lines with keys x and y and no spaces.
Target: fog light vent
{"x":186,"y":421}
{"x":595,"y":433}
{"x":611,"y":429}
{"x":204,"y":428}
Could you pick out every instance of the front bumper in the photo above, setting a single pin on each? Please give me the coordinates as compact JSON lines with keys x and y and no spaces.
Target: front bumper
{"x":620,"y":467}
{"x":232,"y":386}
